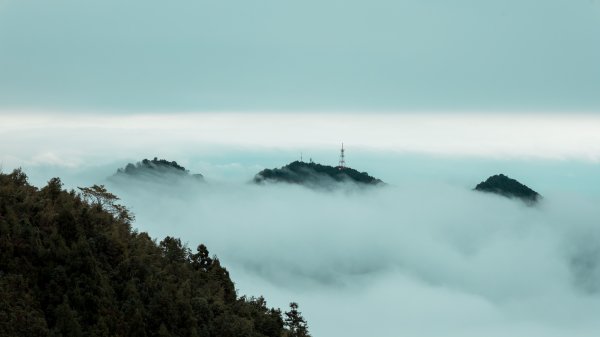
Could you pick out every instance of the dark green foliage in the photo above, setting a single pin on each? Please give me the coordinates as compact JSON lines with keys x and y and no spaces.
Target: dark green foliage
{"x":295,"y":323}
{"x":67,"y":324}
{"x":20,"y":314}
{"x":505,"y":186}
{"x":69,"y":267}
{"x":153,"y":164}
{"x":155,"y":167}
{"x":314,"y":174}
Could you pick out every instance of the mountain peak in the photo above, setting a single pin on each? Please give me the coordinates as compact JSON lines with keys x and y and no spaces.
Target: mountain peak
{"x":155,"y":168}
{"x":314,"y":175}
{"x":508,"y":187}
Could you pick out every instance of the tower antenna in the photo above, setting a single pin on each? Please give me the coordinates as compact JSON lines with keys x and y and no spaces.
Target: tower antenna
{"x":342,"y":164}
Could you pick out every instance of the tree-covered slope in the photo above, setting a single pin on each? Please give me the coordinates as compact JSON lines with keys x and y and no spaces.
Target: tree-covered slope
{"x":71,"y":265}
{"x":505,"y":186}
{"x":314,"y":174}
{"x":156,"y":169}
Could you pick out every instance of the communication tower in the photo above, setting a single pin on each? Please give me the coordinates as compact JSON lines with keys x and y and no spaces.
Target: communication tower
{"x":342,"y":164}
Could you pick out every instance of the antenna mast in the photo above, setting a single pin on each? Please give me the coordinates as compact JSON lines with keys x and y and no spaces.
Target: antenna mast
{"x":342,"y":164}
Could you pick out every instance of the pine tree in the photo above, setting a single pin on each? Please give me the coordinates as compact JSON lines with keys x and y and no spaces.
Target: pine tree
{"x":66,"y":321}
{"x":295,"y":322}
{"x":71,"y":265}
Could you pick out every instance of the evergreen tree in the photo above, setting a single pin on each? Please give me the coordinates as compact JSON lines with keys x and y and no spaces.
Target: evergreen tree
{"x":66,"y":321}
{"x":71,"y":266}
{"x":295,"y":322}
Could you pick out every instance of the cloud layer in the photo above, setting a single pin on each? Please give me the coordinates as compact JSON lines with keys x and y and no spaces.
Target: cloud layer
{"x":78,"y":140}
{"x":419,"y":260}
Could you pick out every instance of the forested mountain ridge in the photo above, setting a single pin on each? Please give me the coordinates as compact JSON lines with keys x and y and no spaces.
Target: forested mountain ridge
{"x":71,"y":265}
{"x":511,"y":188}
{"x":156,"y":168}
{"x":314,"y":174}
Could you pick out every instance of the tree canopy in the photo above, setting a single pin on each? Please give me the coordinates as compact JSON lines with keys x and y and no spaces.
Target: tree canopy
{"x":71,"y":265}
{"x":505,"y":186}
{"x":312,"y":174}
{"x":155,"y":167}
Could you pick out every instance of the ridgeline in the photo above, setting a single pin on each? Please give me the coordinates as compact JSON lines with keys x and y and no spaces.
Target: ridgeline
{"x":156,"y":169}
{"x":510,"y":188}
{"x":71,"y":265}
{"x":314,"y":175}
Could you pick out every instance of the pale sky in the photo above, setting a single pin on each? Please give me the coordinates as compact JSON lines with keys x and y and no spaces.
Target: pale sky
{"x":270,"y":55}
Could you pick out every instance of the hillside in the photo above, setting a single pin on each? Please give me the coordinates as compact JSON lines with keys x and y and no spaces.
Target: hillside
{"x":71,"y":265}
{"x":156,"y":169}
{"x":313,"y":174}
{"x":505,"y":186}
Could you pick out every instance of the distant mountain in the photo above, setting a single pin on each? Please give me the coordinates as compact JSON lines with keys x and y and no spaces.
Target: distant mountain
{"x":315,"y":175}
{"x":505,"y":186}
{"x":156,"y":169}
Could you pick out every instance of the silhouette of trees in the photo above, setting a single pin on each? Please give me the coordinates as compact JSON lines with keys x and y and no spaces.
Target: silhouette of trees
{"x":295,"y":323}
{"x":312,"y":173}
{"x":505,"y":186}
{"x":70,"y":265}
{"x":98,"y":195}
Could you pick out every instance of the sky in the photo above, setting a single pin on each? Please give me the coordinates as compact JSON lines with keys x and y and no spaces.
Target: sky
{"x":268,"y":55}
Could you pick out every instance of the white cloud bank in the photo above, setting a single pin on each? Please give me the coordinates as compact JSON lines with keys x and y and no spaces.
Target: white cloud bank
{"x":419,"y":260}
{"x":88,"y":137}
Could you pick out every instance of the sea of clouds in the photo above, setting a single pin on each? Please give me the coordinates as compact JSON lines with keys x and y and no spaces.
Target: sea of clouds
{"x":420,"y":260}
{"x":422,"y":256}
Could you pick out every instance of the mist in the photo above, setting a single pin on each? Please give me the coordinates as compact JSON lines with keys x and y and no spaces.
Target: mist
{"x":420,"y":259}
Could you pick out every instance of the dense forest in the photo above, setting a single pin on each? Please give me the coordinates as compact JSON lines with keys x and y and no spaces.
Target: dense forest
{"x":505,"y":186}
{"x":311,"y":174}
{"x":71,"y":265}
{"x":155,"y":168}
